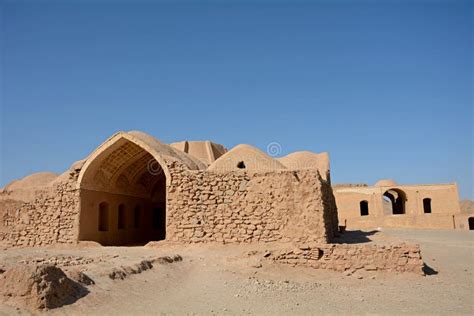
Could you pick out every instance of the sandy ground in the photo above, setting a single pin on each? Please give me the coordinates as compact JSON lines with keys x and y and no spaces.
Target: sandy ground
{"x":217,"y":279}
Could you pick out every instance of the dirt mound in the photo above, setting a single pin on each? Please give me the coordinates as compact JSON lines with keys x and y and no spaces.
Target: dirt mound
{"x":245,"y":157}
{"x":467,"y":206}
{"x":38,"y":287}
{"x":307,"y":160}
{"x":80,"y":277}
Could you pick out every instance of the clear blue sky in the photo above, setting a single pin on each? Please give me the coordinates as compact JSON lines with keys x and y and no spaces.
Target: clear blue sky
{"x":384,"y":86}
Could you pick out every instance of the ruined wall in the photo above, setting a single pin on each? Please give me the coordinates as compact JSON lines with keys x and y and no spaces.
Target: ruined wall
{"x":50,"y":218}
{"x":249,"y":207}
{"x":330,"y":209}
{"x":8,"y":209}
{"x":201,"y":207}
{"x":343,"y":257}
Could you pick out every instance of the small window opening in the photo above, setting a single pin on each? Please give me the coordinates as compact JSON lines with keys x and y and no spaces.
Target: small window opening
{"x":320,"y":253}
{"x":241,"y":165}
{"x":364,"y":208}
{"x":121,"y":217}
{"x":136,"y":217}
{"x":103,"y":217}
{"x":427,"y":206}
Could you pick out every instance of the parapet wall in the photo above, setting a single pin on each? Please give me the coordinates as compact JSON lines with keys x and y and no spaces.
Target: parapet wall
{"x":250,"y":207}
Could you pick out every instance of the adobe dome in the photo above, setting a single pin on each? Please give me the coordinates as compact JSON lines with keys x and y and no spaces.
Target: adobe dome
{"x":307,"y":160}
{"x":205,"y":151}
{"x":33,"y":181}
{"x":245,"y":157}
{"x":168,"y":151}
{"x":385,"y":183}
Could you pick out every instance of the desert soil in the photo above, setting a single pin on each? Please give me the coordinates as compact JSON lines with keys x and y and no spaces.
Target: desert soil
{"x":236,"y":279}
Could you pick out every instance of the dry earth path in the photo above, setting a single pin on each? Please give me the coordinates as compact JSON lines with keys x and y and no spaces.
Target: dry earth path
{"x":216,"y":279}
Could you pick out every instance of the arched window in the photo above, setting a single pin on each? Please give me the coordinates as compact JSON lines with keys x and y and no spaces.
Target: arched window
{"x":121,"y":217}
{"x":136,"y":216}
{"x":364,"y":208}
{"x":103,"y":217}
{"x":427,"y":205}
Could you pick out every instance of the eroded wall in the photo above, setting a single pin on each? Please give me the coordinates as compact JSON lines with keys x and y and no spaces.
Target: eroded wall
{"x":444,"y":207}
{"x":250,"y":207}
{"x":50,"y":218}
{"x":201,"y":207}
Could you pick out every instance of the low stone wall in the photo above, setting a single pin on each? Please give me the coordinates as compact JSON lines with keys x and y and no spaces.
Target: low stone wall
{"x":238,"y":207}
{"x":50,"y":218}
{"x":345,"y":257}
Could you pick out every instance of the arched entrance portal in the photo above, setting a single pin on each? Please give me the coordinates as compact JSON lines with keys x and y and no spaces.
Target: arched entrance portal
{"x":471,"y":223}
{"x":394,"y":202}
{"x":122,"y":195}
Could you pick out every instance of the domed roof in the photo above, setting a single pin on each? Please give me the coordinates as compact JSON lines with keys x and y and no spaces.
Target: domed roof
{"x":168,"y":151}
{"x":206,"y":151}
{"x":131,"y":163}
{"x":245,"y":157}
{"x":385,"y":183}
{"x":307,"y":160}
{"x":35,"y":180}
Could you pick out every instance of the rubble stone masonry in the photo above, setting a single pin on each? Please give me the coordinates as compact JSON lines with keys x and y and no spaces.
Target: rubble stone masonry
{"x":345,"y":257}
{"x":50,"y":218}
{"x":250,"y":207}
{"x":202,"y":206}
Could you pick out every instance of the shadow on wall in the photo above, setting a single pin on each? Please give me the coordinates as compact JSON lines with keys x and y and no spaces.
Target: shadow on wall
{"x":354,"y":237}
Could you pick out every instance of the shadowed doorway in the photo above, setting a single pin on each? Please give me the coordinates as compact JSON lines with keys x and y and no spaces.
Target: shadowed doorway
{"x":123,"y":197}
{"x":394,"y":202}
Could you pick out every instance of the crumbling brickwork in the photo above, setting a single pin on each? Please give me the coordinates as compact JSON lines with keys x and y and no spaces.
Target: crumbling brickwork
{"x":201,"y":207}
{"x":248,"y":207}
{"x":50,"y":218}
{"x":341,"y":257}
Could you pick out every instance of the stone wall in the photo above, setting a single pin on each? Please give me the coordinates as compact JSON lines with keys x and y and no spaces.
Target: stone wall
{"x":243,"y":206}
{"x":8,"y":209}
{"x":202,"y":206}
{"x":345,"y":257}
{"x":50,"y":218}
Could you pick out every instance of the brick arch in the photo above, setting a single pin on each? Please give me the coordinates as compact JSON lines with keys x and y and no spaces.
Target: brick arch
{"x":397,"y":199}
{"x":128,"y":175}
{"x":88,"y":168}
